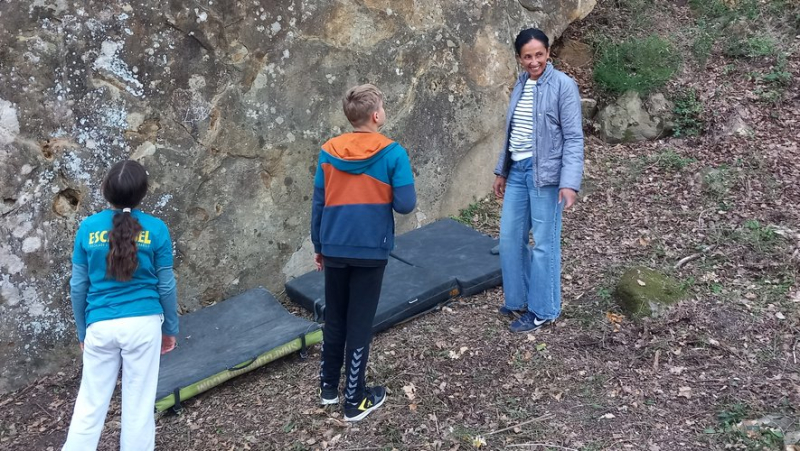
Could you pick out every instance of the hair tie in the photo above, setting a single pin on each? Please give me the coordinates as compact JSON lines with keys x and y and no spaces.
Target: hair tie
{"x":126,"y":210}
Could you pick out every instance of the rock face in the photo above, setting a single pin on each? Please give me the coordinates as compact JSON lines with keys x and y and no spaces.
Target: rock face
{"x":644,"y":292}
{"x":588,"y":109}
{"x":226,"y":103}
{"x":575,"y":53}
{"x":629,"y":119}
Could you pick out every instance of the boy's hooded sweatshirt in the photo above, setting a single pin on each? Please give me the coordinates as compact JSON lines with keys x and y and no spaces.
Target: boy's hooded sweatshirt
{"x":361,"y":177}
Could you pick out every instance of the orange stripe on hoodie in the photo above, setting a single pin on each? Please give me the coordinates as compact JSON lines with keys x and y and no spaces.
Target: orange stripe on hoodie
{"x":343,"y":188}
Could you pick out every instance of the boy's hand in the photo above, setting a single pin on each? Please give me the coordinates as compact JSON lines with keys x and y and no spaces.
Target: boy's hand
{"x":167,"y":343}
{"x":81,"y":346}
{"x":318,"y":262}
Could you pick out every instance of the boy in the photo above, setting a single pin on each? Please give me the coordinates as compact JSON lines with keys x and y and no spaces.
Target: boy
{"x":361,"y":177}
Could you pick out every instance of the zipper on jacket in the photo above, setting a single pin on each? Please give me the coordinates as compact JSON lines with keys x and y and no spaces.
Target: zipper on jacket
{"x":538,"y":131}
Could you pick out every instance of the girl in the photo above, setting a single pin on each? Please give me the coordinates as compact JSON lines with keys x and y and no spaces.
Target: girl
{"x":125,"y":306}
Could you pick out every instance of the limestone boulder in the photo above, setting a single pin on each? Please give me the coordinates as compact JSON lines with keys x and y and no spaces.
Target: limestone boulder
{"x":588,"y":109}
{"x":226,"y":104}
{"x":631,"y":119}
{"x":574,"y":53}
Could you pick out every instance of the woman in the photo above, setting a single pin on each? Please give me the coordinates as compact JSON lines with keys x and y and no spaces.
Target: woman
{"x":538,"y":175}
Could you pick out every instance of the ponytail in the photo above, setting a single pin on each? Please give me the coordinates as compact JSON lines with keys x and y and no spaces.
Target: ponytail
{"x":122,"y":259}
{"x":124,"y":187}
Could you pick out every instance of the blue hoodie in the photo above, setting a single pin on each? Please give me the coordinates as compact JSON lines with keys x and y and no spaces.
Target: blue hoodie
{"x":360,"y":179}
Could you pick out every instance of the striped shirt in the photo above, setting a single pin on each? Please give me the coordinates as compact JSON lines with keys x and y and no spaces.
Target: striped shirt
{"x":521,"y":141}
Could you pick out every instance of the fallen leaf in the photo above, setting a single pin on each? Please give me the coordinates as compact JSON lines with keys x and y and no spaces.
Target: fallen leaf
{"x":685,"y":392}
{"x":615,"y":317}
{"x":409,"y":391}
{"x":608,"y":416}
{"x":641,"y":282}
{"x":478,"y":442}
{"x":780,"y":315}
{"x":677,"y":370}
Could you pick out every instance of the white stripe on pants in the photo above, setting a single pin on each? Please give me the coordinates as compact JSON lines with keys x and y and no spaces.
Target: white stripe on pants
{"x":135,"y":343}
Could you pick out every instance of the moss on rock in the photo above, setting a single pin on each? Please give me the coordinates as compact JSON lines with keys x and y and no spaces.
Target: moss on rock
{"x":644,"y":292}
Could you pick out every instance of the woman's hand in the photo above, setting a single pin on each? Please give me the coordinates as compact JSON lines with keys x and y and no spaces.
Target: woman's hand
{"x":319,"y":262}
{"x":568,"y":196}
{"x":499,"y":186}
{"x":167,"y":343}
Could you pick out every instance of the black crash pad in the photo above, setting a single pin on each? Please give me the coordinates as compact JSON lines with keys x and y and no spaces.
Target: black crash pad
{"x":229,"y":338}
{"x":406,"y":292}
{"x":450,"y":248}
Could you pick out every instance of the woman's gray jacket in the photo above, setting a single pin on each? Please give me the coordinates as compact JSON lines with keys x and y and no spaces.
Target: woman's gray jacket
{"x":557,"y":130}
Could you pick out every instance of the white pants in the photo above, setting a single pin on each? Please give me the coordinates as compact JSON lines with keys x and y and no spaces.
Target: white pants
{"x":135,"y":343}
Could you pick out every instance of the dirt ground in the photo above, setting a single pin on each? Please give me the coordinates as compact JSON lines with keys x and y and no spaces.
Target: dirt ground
{"x":595,"y":380}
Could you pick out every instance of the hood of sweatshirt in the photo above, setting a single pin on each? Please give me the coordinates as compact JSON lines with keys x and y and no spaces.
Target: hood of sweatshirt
{"x":355,"y":152}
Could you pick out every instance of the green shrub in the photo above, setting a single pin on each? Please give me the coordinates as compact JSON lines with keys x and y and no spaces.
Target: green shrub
{"x":752,"y":47}
{"x":688,"y":114}
{"x":468,"y":214}
{"x":669,"y":160}
{"x":760,"y":238}
{"x":735,"y":25}
{"x":713,"y":9}
{"x":772,"y":84}
{"x":703,"y":42}
{"x":717,"y":181}
{"x":779,"y":74}
{"x":720,"y":10}
{"x":639,"y":11}
{"x":635,"y":64}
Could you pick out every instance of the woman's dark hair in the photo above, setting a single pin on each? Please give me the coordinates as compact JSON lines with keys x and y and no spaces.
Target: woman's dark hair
{"x":124,"y":187}
{"x":526,"y":36}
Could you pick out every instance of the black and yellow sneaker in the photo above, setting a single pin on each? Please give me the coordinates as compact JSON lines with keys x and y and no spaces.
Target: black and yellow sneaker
{"x":328,"y":396}
{"x":373,"y":398}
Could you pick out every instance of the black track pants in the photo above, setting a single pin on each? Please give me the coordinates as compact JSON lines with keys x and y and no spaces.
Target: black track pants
{"x":351,"y":299}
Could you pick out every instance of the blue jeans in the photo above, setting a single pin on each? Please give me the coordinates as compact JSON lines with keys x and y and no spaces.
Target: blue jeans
{"x":531,"y":276}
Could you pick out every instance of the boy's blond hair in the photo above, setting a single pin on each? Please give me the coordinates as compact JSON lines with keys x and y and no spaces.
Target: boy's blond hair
{"x":360,"y":102}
